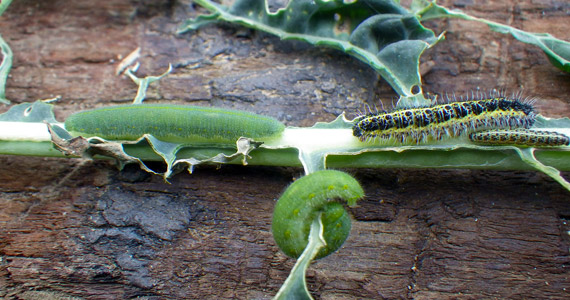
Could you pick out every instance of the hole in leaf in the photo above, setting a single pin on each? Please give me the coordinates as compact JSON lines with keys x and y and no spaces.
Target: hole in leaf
{"x":28,"y":111}
{"x":415,"y":89}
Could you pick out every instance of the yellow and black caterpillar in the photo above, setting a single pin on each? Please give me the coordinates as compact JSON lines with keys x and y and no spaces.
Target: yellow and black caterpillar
{"x":519,"y":136}
{"x":434,"y":123}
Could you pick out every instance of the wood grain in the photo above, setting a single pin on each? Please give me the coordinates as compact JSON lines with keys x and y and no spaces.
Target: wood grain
{"x":81,"y":229}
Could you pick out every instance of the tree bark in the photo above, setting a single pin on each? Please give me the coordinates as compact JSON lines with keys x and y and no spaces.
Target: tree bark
{"x":71,"y":228}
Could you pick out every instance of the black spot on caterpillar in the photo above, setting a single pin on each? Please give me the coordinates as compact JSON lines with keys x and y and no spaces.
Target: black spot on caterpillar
{"x":423,"y":124}
{"x":303,"y":200}
{"x":521,"y":137}
{"x":172,"y":123}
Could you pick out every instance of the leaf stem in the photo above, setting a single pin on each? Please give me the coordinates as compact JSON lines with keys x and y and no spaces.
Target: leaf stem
{"x":295,"y":286}
{"x":5,"y":66}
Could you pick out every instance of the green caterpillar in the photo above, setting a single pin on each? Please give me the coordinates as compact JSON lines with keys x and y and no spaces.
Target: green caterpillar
{"x":172,"y":123}
{"x":303,"y":200}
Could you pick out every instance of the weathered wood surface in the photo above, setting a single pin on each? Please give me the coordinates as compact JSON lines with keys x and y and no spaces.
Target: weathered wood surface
{"x":70,"y":228}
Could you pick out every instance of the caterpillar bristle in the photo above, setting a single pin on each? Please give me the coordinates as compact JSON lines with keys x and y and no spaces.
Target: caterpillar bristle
{"x":439,"y":121}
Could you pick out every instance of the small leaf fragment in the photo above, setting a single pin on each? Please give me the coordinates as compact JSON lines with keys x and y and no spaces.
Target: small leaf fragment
{"x":38,"y":111}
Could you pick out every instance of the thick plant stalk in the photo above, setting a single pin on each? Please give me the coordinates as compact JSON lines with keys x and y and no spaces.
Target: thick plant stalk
{"x":342,"y":151}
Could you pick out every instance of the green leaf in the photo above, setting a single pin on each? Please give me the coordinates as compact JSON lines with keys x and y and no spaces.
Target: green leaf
{"x":381,"y":33}
{"x":543,"y":122}
{"x":557,"y":51}
{"x":38,"y":111}
{"x":4,"y":5}
{"x":527,"y":155}
{"x":166,"y":150}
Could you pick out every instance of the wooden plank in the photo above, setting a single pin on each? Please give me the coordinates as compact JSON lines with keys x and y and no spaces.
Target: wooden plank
{"x":72,"y":228}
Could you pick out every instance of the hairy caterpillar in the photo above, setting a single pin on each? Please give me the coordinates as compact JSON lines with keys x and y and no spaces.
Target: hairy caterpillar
{"x":423,"y":124}
{"x":172,"y":123}
{"x":522,"y":137}
{"x":303,"y":200}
